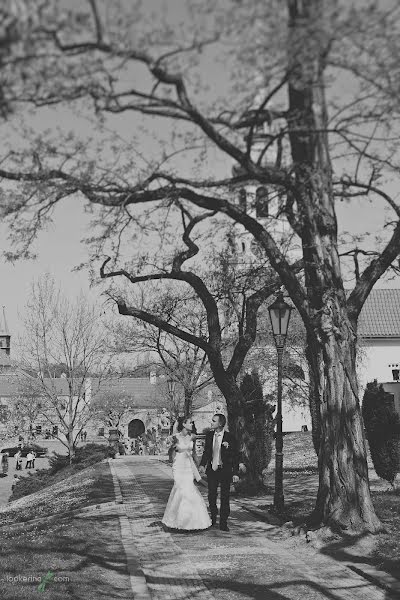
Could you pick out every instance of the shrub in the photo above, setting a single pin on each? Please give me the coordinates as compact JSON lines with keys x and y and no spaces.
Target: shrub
{"x":382,"y":426}
{"x":30,"y":484}
{"x":58,"y":462}
{"x":258,"y":429}
{"x":90,"y":454}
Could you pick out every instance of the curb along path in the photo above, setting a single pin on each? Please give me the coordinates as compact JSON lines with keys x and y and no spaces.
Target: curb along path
{"x":245,"y":563}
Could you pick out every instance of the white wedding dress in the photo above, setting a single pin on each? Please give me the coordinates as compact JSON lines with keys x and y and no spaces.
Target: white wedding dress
{"x":186,"y":508}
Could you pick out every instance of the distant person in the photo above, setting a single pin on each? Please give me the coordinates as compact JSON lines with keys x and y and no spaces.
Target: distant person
{"x":140,"y":446}
{"x":18,"y":461}
{"x":194,"y":428}
{"x":4,"y":463}
{"x":33,"y":459}
{"x":29,"y":457}
{"x":85,"y":435}
{"x":15,"y":481}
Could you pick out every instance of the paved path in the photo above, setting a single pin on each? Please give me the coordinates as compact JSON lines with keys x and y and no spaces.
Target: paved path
{"x":245,"y":563}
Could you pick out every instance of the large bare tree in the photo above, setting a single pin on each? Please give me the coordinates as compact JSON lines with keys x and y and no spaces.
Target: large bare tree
{"x":325,"y":107}
{"x":218,"y":317}
{"x":61,"y":331}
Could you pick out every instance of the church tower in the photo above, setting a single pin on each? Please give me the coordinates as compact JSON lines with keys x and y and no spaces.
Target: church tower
{"x":5,"y":341}
{"x":262,"y":202}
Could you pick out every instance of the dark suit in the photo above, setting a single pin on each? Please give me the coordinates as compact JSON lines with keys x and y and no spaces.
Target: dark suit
{"x":223,"y":475}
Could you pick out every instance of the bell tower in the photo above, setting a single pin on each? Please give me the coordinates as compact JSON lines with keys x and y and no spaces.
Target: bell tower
{"x":5,"y":340}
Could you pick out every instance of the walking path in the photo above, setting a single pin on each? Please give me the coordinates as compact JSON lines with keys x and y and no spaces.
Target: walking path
{"x":247,"y":562}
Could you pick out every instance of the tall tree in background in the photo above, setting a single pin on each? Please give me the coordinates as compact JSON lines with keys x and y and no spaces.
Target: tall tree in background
{"x":28,"y":404}
{"x":59,"y":331}
{"x":228,"y":301}
{"x":326,"y":137}
{"x":260,"y":427}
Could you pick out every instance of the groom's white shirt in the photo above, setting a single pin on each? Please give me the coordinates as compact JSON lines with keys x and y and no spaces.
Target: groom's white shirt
{"x":217,"y":442}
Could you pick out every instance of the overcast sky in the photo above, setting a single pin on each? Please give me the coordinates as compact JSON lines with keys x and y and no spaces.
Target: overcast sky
{"x":59,"y":249}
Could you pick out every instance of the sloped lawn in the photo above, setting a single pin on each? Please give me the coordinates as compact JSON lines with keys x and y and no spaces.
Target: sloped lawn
{"x":48,"y":533}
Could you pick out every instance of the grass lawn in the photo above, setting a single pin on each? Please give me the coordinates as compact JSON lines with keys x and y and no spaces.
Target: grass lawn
{"x":301,"y":484}
{"x":48,"y":532}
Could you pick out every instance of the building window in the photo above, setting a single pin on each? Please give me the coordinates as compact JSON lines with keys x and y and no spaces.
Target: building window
{"x":243,"y":199}
{"x":262,"y":202}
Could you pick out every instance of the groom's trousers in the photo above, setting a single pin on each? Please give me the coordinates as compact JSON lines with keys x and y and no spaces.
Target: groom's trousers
{"x":222,"y":478}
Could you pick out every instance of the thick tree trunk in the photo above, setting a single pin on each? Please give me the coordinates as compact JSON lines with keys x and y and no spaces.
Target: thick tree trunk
{"x":344,"y":501}
{"x":314,"y":359}
{"x":188,"y":406}
{"x":71,"y":446}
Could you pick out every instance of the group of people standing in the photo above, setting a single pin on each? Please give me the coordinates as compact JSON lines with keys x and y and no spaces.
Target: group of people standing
{"x":186,"y":509}
{"x":30,"y":461}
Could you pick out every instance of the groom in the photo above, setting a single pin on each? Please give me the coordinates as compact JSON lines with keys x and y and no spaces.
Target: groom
{"x":219,"y":461}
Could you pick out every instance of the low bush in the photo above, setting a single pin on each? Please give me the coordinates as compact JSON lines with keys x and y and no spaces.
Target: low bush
{"x":30,"y":484}
{"x":382,"y":426}
{"x":90,"y":454}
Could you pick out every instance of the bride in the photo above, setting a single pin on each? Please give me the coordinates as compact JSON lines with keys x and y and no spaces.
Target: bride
{"x":186,"y":508}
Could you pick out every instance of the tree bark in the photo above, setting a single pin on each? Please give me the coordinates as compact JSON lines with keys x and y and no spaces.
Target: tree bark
{"x":314,"y":360}
{"x":188,"y":405}
{"x":343,"y":470}
{"x":71,"y":445}
{"x":343,"y":500}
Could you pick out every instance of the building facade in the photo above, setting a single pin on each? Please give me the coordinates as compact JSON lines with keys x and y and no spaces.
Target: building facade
{"x":378,"y":358}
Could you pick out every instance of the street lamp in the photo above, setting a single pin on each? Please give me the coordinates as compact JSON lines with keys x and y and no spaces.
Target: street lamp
{"x":171,"y":392}
{"x":279,"y":314}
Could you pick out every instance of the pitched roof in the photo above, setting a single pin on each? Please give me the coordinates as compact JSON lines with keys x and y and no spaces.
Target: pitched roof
{"x":380,"y":315}
{"x":146,"y":394}
{"x":139,"y":389}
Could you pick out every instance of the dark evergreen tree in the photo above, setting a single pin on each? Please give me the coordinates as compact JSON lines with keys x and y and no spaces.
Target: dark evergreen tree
{"x":259,"y":426}
{"x":382,"y":425}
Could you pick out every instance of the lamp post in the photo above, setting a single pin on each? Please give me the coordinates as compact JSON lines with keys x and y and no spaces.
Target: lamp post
{"x":171,"y":391}
{"x":279,"y":314}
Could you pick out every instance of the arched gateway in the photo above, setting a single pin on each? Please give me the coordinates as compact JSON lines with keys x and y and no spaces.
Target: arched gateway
{"x":135,"y":428}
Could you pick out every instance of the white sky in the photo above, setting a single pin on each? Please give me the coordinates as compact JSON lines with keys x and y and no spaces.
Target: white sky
{"x":59,"y":249}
